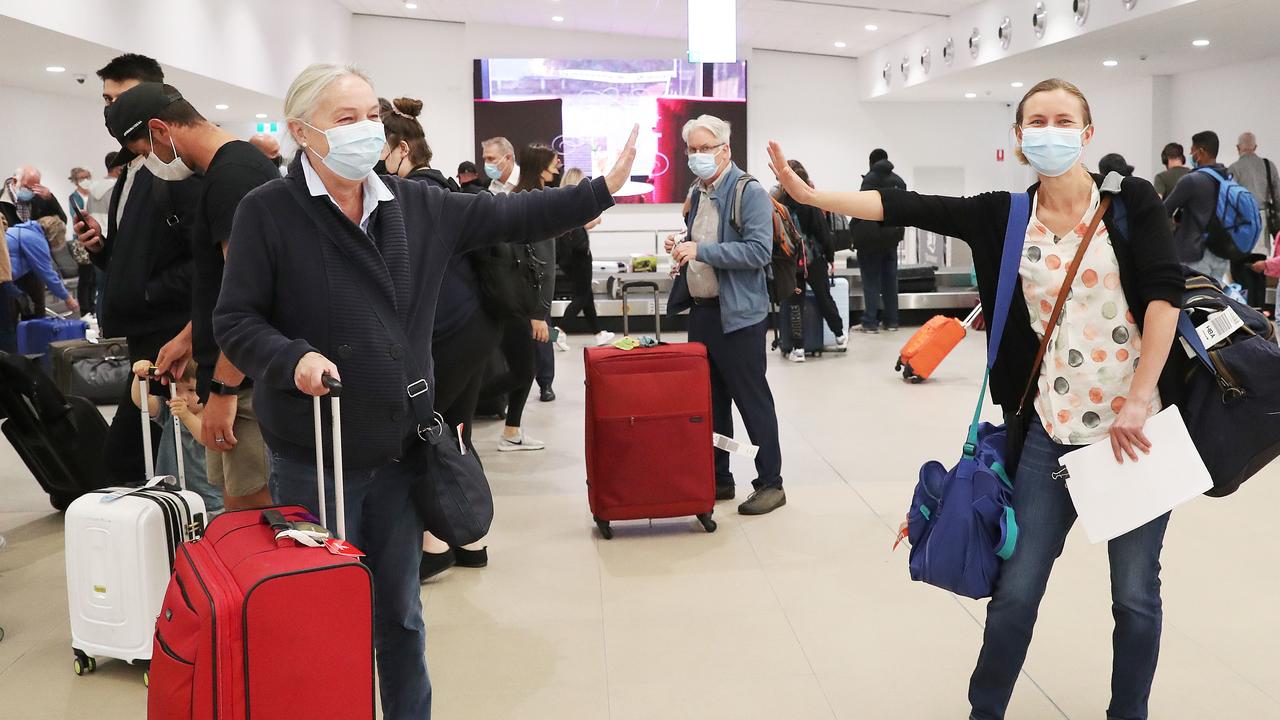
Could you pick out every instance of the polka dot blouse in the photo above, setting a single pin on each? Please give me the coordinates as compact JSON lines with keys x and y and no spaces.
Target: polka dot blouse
{"x":1091,"y":360}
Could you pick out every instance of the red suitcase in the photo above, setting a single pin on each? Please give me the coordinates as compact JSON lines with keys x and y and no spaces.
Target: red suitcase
{"x":649,"y":452}
{"x":258,"y":628}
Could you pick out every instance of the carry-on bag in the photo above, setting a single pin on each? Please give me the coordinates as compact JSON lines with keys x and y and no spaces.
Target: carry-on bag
{"x":817,"y":336}
{"x":35,"y":335}
{"x":649,"y":429}
{"x":120,"y":547}
{"x":265,"y":617}
{"x":94,"y":370}
{"x":60,"y":439}
{"x":931,"y":344}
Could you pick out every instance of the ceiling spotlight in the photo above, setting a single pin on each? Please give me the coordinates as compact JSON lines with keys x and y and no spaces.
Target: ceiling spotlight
{"x":261,"y":116}
{"x":411,"y":6}
{"x":872,"y":28}
{"x":1200,"y":43}
{"x":221,"y":106}
{"x":971,"y":95}
{"x":841,"y":44}
{"x":1015,"y":84}
{"x":1110,"y":63}
{"x":55,"y":68}
{"x":557,"y":18}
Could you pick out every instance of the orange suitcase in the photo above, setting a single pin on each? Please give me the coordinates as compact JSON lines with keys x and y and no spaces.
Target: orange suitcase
{"x":931,"y":344}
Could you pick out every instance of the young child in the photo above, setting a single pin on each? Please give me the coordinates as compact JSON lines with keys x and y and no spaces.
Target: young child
{"x":1271,"y":268}
{"x":187,"y":409}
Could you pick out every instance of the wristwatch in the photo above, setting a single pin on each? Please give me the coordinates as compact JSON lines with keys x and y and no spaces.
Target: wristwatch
{"x":217,"y":387}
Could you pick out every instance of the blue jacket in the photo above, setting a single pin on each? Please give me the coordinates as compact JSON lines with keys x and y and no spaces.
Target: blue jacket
{"x":739,"y":259}
{"x":29,"y":252}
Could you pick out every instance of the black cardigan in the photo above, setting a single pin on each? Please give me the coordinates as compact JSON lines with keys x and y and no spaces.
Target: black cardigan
{"x":298,"y":279}
{"x":1149,"y":268}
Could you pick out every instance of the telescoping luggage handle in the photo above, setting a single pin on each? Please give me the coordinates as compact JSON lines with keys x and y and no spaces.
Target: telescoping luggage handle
{"x":657,"y":313}
{"x":339,"y":485}
{"x":144,"y":395}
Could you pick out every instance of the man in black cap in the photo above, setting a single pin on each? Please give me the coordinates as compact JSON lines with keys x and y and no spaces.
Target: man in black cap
{"x":469,"y":179}
{"x":146,"y":253}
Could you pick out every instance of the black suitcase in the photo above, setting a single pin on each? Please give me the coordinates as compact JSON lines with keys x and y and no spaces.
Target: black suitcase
{"x":917,"y":279}
{"x":60,"y":439}
{"x":97,"y":371}
{"x":800,"y":309}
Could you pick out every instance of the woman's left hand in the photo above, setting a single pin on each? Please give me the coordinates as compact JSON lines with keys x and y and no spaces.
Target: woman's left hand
{"x":1127,"y":437}
{"x":621,"y":171}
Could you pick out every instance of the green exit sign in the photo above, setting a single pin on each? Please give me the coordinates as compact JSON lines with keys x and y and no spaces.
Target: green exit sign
{"x":268,"y":127}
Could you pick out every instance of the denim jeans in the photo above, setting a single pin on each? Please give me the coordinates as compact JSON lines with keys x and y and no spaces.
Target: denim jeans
{"x":1045,"y":515}
{"x":382,"y":522}
{"x":879,"y":288}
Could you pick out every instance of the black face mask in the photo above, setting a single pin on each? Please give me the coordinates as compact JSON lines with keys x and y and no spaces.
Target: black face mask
{"x":278,"y":160}
{"x":380,"y":167}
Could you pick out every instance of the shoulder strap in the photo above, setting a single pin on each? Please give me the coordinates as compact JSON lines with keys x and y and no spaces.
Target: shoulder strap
{"x":735,"y":210}
{"x":1271,"y":189}
{"x":1212,"y":173}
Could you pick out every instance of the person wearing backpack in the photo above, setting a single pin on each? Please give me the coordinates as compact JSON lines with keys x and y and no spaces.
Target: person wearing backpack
{"x":1196,"y":198}
{"x":819,"y":255}
{"x":1103,"y":375}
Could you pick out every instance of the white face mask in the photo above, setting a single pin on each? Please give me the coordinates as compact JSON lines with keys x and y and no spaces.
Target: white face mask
{"x":173,"y":171}
{"x":353,"y":149}
{"x":84,"y":184}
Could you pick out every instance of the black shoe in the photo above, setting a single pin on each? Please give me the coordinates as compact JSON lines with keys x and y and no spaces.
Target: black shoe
{"x":724,"y":492}
{"x":763,"y":501}
{"x":433,"y":564}
{"x":471,"y":558}
{"x":547,"y":395}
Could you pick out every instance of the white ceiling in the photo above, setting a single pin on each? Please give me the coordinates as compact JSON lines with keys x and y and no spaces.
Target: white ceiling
{"x":28,"y":49}
{"x":810,"y":26}
{"x":1158,"y":44}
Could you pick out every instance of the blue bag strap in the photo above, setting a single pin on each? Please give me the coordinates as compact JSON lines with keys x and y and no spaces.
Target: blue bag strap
{"x":1187,"y":330}
{"x":1015,"y":236}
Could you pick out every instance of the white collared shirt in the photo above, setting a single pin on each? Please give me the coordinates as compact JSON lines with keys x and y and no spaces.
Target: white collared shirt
{"x":497,"y":187}
{"x":375,"y":191}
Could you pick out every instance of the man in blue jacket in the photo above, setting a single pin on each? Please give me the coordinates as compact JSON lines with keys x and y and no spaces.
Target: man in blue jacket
{"x":722,"y":283}
{"x":31,"y":262}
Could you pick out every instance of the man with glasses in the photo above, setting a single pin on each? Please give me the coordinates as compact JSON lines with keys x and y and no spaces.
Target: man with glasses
{"x":722,"y":283}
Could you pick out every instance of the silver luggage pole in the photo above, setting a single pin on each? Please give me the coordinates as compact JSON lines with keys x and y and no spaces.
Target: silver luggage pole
{"x":315,"y":405}
{"x":177,"y":437}
{"x":144,"y":400}
{"x":339,"y":483}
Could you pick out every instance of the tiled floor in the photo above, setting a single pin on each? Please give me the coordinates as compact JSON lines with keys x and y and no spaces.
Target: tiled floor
{"x":805,"y":613}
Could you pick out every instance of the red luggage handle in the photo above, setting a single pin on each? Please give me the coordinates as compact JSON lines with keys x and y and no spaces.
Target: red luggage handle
{"x":657,"y":313}
{"x":339,"y":485}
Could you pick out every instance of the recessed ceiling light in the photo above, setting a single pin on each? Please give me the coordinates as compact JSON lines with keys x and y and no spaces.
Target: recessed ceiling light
{"x":557,"y":18}
{"x":221,"y":106}
{"x":55,"y":68}
{"x":261,"y":116}
{"x":971,"y":96}
{"x":411,"y":6}
{"x":1110,"y":63}
{"x":1200,"y":43}
{"x":1015,"y":84}
{"x":872,"y":28}
{"x":841,"y":44}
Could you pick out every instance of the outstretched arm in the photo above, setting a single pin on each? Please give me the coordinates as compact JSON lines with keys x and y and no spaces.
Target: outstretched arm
{"x":863,"y":205}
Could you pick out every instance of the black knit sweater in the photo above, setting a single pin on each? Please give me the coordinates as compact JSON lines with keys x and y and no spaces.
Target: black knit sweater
{"x":298,"y":279}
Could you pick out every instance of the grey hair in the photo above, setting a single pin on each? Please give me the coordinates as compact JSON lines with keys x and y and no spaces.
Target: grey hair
{"x":712,"y":124}
{"x":1248,"y":141}
{"x":572,"y":177}
{"x":505,"y":144}
{"x":300,"y":102}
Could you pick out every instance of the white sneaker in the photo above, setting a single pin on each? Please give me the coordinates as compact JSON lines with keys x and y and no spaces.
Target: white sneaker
{"x":796,"y":355}
{"x":604,"y":337}
{"x":842,"y":342}
{"x":561,"y":341}
{"x":519,"y":443}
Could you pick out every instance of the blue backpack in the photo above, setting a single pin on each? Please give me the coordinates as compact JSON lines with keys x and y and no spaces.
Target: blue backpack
{"x":1236,"y":223}
{"x":961,"y":524}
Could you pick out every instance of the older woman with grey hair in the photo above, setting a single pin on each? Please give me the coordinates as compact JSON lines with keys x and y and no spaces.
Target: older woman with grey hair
{"x":313,"y":255}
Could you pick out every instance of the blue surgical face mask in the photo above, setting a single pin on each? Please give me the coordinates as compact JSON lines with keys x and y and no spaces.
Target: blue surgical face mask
{"x":25,"y":194}
{"x":704,"y":165}
{"x":492,"y":171}
{"x":353,"y":149}
{"x":1052,"y":151}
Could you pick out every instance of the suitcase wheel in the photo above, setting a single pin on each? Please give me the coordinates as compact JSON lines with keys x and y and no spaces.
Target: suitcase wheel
{"x":83,"y":664}
{"x":605,"y":530}
{"x":146,"y":678}
{"x":915,"y":379}
{"x":897,"y":367}
{"x":707,"y":523}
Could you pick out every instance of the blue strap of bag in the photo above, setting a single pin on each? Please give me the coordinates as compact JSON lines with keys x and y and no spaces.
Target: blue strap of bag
{"x":1015,"y":236}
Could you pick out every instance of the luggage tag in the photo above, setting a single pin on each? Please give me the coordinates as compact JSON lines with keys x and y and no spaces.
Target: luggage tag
{"x":336,"y":546}
{"x":305,"y":537}
{"x":902,"y":535}
{"x":122,"y":492}
{"x":1219,"y":327}
{"x":730,"y":445}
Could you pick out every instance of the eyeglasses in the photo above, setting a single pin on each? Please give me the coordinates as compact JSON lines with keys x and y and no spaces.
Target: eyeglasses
{"x":701,"y":150}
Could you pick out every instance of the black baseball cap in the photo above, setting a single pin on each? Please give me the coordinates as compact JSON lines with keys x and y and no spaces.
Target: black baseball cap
{"x":133,"y":109}
{"x":467,"y":167}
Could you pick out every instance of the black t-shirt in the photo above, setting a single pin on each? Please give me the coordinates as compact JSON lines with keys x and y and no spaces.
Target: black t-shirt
{"x":236,"y":168}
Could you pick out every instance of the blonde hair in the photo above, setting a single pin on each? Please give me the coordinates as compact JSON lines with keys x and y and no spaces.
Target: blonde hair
{"x":712,"y":124}
{"x":1049,"y":86}
{"x":304,"y":94}
{"x":571,"y":177}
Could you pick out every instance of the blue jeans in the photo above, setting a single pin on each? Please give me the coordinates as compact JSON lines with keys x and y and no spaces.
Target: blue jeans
{"x":1045,"y":515}
{"x":382,"y":522}
{"x":879,"y":288}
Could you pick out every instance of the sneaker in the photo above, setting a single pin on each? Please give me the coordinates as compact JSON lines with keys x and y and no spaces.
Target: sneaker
{"x":796,"y":356}
{"x":433,"y":564}
{"x":604,"y":337}
{"x":546,"y":394}
{"x":892,"y":328}
{"x":561,"y":341}
{"x":471,"y":558}
{"x":842,"y":342}
{"x":867,"y":330}
{"x":763,"y":501}
{"x":519,"y":443}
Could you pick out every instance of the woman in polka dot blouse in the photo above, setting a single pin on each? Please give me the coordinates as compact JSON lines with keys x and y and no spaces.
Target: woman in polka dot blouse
{"x":1104,"y":372}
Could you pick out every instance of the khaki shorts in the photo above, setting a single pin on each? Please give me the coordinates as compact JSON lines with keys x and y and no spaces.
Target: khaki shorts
{"x":242,"y":470}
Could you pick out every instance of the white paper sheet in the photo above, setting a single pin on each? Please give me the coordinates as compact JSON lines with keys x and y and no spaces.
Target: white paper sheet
{"x":1112,"y":499}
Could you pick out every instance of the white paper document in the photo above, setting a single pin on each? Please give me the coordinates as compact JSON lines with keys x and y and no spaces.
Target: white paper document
{"x":1112,"y":499}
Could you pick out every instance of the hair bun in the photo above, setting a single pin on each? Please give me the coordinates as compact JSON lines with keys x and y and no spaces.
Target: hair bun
{"x":409,"y":106}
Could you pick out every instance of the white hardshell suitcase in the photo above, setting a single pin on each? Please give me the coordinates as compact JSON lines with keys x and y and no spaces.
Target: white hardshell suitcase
{"x":120,"y":545}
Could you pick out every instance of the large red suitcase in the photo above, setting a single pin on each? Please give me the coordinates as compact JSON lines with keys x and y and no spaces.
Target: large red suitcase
{"x":649,"y":426}
{"x":255,"y":628}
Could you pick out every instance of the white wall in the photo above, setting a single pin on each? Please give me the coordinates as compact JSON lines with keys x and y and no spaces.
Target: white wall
{"x":1122,"y":116}
{"x":54,"y":133}
{"x":1229,"y":100}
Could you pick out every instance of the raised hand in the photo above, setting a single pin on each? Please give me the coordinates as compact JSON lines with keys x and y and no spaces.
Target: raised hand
{"x":621,"y":171}
{"x":798,"y":189}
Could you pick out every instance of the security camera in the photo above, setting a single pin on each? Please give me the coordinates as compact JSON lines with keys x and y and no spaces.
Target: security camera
{"x":80,"y":78}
